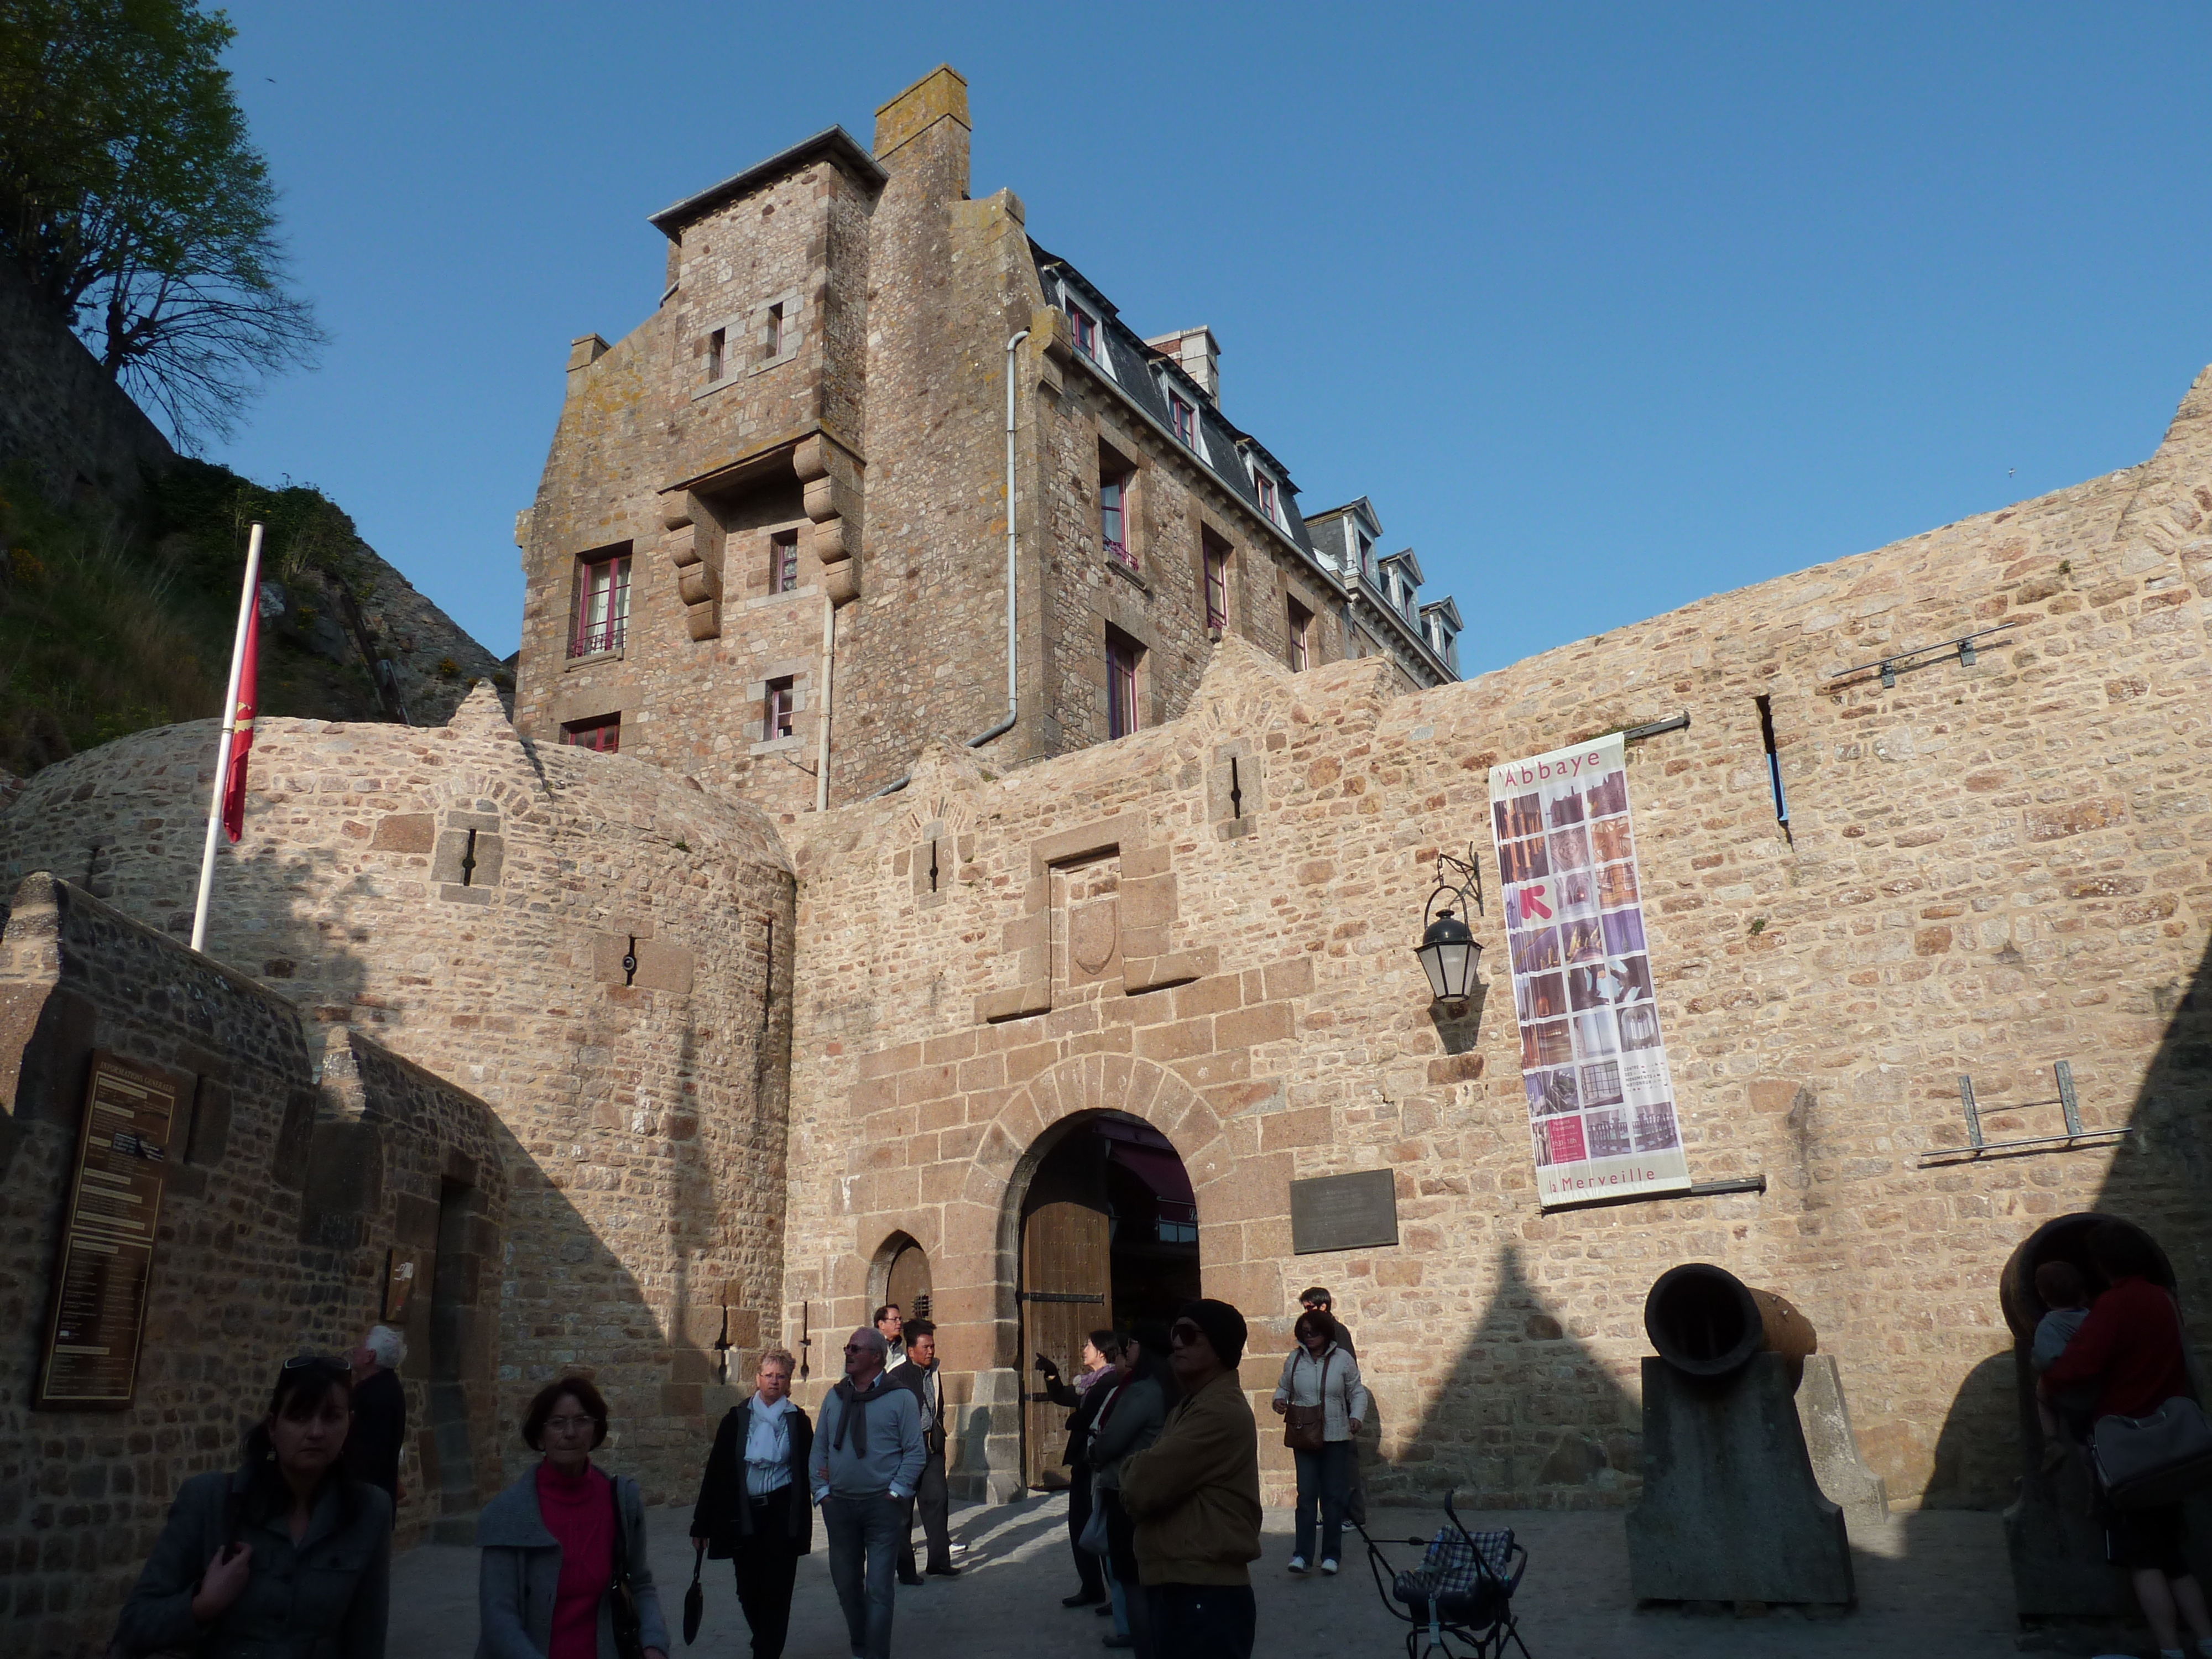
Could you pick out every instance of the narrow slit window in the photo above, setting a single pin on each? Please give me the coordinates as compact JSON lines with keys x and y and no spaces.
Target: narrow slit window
{"x":783,"y":562}
{"x":1300,"y":643}
{"x":1216,"y":587}
{"x":774,"y":339}
{"x":1773,"y":760}
{"x":715,"y":342}
{"x":1122,"y":658}
{"x":779,"y":707}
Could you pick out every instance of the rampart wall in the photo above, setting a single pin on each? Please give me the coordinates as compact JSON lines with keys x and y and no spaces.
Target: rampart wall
{"x":469,"y":899}
{"x":300,"y":1155}
{"x":1988,"y":868}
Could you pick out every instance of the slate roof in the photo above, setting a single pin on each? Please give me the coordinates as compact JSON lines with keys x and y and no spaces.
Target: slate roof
{"x":1145,"y":375}
{"x":835,"y":142}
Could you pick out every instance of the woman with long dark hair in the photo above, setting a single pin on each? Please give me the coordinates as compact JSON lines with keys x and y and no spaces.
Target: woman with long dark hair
{"x":287,"y":1554}
{"x":1127,"y":1423}
{"x":554,"y":1543}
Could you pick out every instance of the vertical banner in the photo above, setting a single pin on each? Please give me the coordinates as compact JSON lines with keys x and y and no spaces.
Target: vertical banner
{"x":1600,"y":1100}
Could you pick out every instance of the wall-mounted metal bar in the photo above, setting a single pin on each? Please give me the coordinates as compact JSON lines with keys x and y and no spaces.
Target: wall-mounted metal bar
{"x":2066,"y":1100}
{"x":1672,"y":723}
{"x":1967,"y":1104}
{"x":1736,"y":1184}
{"x":2065,"y":1075}
{"x":1962,"y":643}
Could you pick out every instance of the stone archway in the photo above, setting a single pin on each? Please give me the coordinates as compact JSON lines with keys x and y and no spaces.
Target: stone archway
{"x":986,"y":1220}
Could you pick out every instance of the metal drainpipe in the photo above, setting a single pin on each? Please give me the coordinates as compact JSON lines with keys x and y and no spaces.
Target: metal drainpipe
{"x":1012,"y":697}
{"x":822,"y":721}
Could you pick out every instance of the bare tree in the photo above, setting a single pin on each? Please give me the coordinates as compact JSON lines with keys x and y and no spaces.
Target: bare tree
{"x":133,"y":200}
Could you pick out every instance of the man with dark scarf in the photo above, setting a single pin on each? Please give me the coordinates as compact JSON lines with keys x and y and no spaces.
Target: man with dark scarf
{"x":867,"y":1455}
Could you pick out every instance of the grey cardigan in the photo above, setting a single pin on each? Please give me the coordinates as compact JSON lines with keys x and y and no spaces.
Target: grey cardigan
{"x":325,"y":1596}
{"x":1126,"y":1425}
{"x":520,"y":1571}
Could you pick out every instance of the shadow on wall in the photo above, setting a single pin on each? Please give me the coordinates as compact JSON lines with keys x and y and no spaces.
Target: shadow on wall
{"x":2157,"y":1179}
{"x":1526,"y":1418}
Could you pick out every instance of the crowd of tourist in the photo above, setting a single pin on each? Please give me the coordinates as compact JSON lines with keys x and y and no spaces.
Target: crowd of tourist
{"x":291,"y":1552}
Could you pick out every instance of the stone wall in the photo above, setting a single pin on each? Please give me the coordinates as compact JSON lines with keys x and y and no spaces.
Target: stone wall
{"x":60,"y":414}
{"x":469,"y":899}
{"x":1988,"y":868}
{"x":299,"y":1157}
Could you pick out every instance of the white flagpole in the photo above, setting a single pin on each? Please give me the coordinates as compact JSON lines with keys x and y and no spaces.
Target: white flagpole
{"x":245,"y":604}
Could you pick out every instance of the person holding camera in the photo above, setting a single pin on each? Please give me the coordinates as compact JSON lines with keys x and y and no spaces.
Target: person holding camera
{"x":288,"y":1553}
{"x":918,"y":1373}
{"x":1102,"y":1350}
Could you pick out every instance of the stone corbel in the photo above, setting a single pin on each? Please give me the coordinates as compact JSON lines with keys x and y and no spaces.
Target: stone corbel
{"x":698,"y":583}
{"x":832,"y":495}
{"x":1054,"y":341}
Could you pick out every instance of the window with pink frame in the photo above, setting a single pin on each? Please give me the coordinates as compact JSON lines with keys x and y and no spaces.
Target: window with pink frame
{"x":602,"y":609}
{"x":1114,"y":517}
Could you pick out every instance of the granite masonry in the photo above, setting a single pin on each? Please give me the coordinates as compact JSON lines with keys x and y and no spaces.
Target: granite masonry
{"x":743,"y":1065}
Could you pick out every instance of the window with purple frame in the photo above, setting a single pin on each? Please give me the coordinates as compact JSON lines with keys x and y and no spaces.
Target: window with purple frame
{"x":1186,"y":420}
{"x":1114,"y":517}
{"x":602,"y":610}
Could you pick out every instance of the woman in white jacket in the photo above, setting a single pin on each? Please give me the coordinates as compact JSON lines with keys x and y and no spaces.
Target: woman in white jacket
{"x":1320,"y":1377}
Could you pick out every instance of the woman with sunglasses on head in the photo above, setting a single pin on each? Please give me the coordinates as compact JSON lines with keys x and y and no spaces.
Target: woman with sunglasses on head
{"x":554,"y":1543}
{"x":288,"y":1554}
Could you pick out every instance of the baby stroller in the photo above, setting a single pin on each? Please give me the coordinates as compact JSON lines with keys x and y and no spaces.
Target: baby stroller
{"x":1462,"y":1591}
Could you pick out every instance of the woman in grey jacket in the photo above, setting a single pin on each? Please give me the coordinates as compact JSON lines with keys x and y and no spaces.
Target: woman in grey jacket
{"x":1317,"y":1374}
{"x":550,"y":1544}
{"x":1127,"y":1423}
{"x":291,"y":1554}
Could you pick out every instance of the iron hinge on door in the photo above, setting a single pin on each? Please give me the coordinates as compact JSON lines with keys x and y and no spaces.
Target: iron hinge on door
{"x":1060,"y":1295}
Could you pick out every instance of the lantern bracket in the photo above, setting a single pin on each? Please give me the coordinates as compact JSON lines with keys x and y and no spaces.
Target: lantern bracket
{"x":1469,"y":874}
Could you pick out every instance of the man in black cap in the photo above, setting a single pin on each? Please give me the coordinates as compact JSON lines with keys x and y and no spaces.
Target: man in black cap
{"x":1194,"y":1496}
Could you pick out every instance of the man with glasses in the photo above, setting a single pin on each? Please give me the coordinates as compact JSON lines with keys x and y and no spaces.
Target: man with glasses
{"x":892,"y":1324}
{"x":867,"y":1456}
{"x":1195,"y":1495}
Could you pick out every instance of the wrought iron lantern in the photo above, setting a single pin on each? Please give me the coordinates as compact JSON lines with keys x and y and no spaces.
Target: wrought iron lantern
{"x":1449,"y":951}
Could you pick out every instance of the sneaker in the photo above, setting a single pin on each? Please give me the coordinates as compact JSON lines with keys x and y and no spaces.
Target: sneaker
{"x":1297,"y":1564}
{"x":1328,"y":1564}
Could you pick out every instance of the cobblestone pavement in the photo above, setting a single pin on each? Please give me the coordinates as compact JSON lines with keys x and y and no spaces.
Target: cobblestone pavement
{"x":1929,"y":1584}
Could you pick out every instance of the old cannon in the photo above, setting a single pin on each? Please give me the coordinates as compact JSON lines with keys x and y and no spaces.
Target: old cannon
{"x":1731,"y":1510}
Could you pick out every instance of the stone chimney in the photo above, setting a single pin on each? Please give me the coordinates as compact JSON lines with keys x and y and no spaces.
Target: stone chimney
{"x":934,"y":107}
{"x":1197,"y":353}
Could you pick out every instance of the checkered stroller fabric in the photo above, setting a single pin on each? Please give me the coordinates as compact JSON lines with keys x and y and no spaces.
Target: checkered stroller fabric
{"x":1448,"y":1586}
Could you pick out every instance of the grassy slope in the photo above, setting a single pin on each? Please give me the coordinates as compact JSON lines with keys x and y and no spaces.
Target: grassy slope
{"x":111,"y":622}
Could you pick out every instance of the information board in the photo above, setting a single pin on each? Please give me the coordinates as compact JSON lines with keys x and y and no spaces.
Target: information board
{"x":1344,"y":1212}
{"x":106,"y":1261}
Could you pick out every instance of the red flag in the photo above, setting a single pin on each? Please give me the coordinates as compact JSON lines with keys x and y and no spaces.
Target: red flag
{"x":242,"y":732}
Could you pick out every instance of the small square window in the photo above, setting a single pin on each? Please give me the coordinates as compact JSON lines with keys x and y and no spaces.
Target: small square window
{"x":1123,"y":655}
{"x":783,"y":562}
{"x":773,"y":338}
{"x":778,"y":706}
{"x":1186,"y":420}
{"x":602,"y":734}
{"x":1085,"y":328}
{"x":1301,"y":631}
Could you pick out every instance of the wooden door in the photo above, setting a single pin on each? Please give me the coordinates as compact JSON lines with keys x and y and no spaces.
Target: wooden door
{"x":1067,"y":1293}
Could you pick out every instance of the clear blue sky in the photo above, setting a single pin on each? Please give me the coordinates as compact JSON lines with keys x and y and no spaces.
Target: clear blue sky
{"x":1606,"y":308}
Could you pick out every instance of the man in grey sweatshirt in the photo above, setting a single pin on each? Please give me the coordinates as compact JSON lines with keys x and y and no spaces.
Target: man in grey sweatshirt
{"x":867,"y":1455}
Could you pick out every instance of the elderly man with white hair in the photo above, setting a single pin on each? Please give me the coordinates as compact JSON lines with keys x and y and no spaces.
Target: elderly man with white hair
{"x":380,"y":1410}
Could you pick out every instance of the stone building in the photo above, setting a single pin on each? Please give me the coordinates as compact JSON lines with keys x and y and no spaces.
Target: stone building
{"x":1050,"y":1043}
{"x":771,"y":548}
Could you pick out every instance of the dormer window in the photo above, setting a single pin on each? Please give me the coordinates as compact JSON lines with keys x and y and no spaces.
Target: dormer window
{"x":1186,"y":422}
{"x":1265,"y":486}
{"x":1085,"y":327}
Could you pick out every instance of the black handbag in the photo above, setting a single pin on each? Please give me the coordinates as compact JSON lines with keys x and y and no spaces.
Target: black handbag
{"x":695,"y":1600}
{"x":629,"y":1635}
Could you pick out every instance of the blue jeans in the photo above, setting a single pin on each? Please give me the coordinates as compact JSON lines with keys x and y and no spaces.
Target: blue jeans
{"x":863,"y":1536}
{"x":1324,"y":1478}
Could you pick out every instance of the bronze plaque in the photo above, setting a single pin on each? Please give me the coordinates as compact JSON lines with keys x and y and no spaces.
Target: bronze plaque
{"x":1344,"y":1212}
{"x":106,"y":1257}
{"x":400,"y":1267}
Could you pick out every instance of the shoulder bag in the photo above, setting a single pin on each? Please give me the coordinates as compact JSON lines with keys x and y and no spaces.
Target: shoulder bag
{"x":2143,"y":1461}
{"x":1305,"y":1428}
{"x":629,"y":1636}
